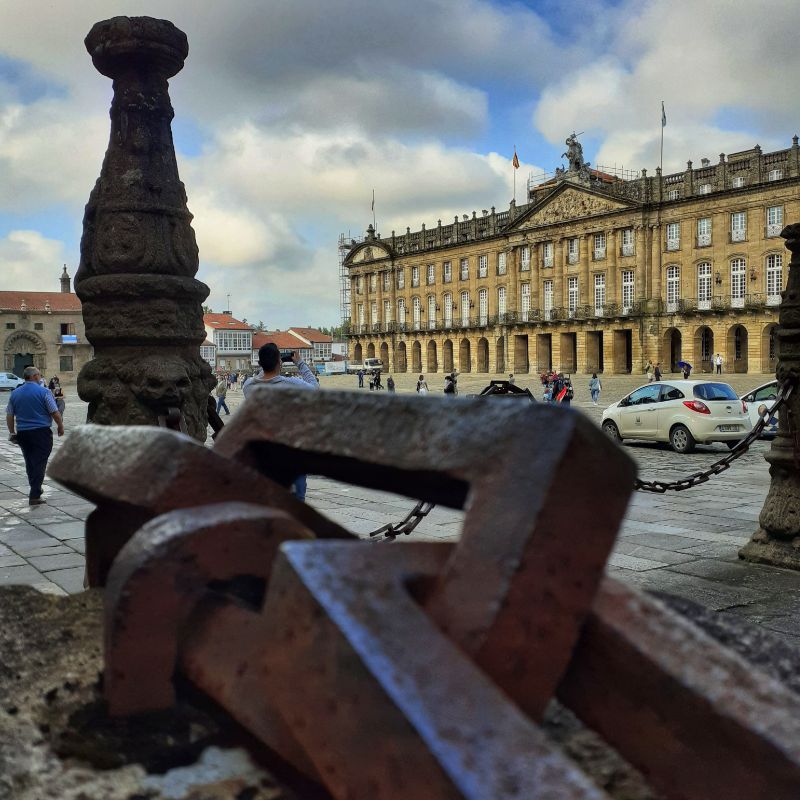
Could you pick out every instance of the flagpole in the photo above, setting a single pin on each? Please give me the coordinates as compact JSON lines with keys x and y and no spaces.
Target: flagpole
{"x":661,"y":160}
{"x":514,"y":171}
{"x":374,"y":226}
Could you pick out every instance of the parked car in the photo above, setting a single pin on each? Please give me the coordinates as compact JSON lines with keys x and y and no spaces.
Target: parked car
{"x":682,"y":413}
{"x":9,"y":381}
{"x":758,"y":401}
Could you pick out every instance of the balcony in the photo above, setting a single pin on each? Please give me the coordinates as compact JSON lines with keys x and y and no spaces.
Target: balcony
{"x":704,"y":240}
{"x":401,"y":284}
{"x":69,"y":338}
{"x":738,"y":235}
{"x":774,"y":229}
{"x":482,"y":273}
{"x":599,"y":253}
{"x":627,"y":250}
{"x":464,"y":275}
{"x":525,"y":265}
{"x":547,"y":261}
{"x":431,"y":280}
{"x":572,"y":258}
{"x":673,"y":244}
{"x":414,"y":283}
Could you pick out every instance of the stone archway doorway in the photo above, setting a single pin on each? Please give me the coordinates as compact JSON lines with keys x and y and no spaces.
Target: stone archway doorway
{"x":25,"y":349}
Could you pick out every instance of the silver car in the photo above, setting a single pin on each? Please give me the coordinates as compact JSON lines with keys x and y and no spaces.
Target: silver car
{"x":758,"y":401}
{"x":683,"y":413}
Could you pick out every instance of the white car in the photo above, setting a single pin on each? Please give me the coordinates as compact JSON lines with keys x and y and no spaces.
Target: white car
{"x":683,"y":413}
{"x":9,"y":381}
{"x":758,"y":401}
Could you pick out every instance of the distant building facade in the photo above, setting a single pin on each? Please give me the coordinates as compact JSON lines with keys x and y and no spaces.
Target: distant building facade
{"x":594,"y":273}
{"x":231,"y":340}
{"x":44,"y":329}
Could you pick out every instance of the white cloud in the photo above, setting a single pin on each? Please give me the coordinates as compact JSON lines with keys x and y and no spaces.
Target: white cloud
{"x":30,"y":262}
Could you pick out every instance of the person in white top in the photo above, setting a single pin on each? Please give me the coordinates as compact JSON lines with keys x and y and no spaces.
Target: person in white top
{"x":718,"y":364}
{"x":422,"y":386}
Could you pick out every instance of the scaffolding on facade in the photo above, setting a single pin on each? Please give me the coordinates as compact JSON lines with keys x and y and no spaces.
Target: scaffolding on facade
{"x":346,"y":241}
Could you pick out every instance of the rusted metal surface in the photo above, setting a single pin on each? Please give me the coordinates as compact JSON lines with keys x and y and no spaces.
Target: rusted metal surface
{"x":420,"y":670}
{"x":515,"y":468}
{"x":136,"y":473}
{"x":696,"y":718}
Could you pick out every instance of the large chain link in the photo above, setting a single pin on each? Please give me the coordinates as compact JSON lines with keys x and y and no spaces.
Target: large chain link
{"x":391,"y":531}
{"x":696,"y":478}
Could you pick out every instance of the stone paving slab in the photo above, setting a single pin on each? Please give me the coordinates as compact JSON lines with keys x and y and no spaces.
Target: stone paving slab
{"x":685,"y":543}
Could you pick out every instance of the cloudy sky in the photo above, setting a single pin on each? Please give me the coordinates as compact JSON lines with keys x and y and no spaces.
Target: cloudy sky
{"x":290,"y":112}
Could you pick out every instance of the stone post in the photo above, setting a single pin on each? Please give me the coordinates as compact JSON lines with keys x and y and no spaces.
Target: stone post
{"x":141,"y":304}
{"x":777,"y":541}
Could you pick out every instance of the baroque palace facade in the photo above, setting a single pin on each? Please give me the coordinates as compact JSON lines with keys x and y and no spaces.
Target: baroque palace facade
{"x":593,"y":273}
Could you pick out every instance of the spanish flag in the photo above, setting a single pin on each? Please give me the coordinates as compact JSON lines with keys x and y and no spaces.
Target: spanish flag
{"x":515,"y":160}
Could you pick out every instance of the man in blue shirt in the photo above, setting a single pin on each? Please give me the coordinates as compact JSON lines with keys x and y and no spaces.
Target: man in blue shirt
{"x":269,"y":358}
{"x":30,"y":410}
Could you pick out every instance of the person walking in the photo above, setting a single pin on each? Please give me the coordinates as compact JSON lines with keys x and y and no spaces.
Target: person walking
{"x":360,"y":374}
{"x":657,"y":371}
{"x":449,"y":388}
{"x":222,"y":391}
{"x":390,"y":384}
{"x":269,"y":358}
{"x":648,"y":370}
{"x":594,"y":387}
{"x":58,"y":394}
{"x":30,"y":412}
{"x":718,"y":363}
{"x":422,"y":386}
{"x":511,"y":379}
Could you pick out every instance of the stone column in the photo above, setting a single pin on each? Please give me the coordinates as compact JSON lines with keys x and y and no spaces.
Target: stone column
{"x":640,"y":288}
{"x":777,"y":541}
{"x":559,"y":267}
{"x":611,"y":256}
{"x":141,"y":304}
{"x":655,"y":261}
{"x":586,"y":292}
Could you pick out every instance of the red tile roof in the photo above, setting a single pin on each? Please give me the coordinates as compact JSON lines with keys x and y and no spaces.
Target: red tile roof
{"x":283,"y":339}
{"x":312,"y":334}
{"x":225,"y":322}
{"x":35,"y":301}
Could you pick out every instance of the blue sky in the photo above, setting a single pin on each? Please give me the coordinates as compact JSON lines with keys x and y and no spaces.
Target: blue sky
{"x":290,"y":112}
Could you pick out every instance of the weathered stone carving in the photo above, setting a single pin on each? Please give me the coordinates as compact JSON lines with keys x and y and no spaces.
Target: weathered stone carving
{"x":141,"y":303}
{"x":571,"y":204}
{"x":777,"y":541}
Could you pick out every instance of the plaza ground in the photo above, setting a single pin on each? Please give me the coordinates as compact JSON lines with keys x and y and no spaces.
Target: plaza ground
{"x":685,"y":543}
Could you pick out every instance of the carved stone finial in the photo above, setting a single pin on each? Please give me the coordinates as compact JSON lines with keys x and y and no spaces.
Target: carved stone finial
{"x":141,"y":304}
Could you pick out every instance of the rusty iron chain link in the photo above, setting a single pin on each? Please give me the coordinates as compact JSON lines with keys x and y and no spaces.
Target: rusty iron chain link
{"x":391,"y":531}
{"x":696,"y":478}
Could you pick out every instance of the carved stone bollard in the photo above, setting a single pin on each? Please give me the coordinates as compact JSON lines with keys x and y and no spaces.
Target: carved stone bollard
{"x":777,"y":541}
{"x":141,"y":303}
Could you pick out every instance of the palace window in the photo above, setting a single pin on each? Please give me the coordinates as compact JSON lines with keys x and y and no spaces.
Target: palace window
{"x":704,"y":286}
{"x":774,"y":220}
{"x":501,"y":303}
{"x":738,"y":181}
{"x":673,"y":288}
{"x":416,"y":312}
{"x":627,"y":242}
{"x":599,"y":246}
{"x":226,"y":341}
{"x":65,"y":364}
{"x":465,"y":309}
{"x":431,"y":274}
{"x":704,"y":188}
{"x":674,"y":236}
{"x":572,"y":295}
{"x":572,"y":250}
{"x":704,"y":232}
{"x":774,"y":279}
{"x":483,"y":306}
{"x":525,"y":301}
{"x":547,"y":292}
{"x":628,"y":286}
{"x":501,"y":263}
{"x":373,"y":313}
{"x":387,"y":282}
{"x":360,"y":315}
{"x":401,"y":279}
{"x":738,"y":282}
{"x":414,"y":276}
{"x":360,"y":284}
{"x":373,"y":281}
{"x":483,"y":266}
{"x":547,"y":254}
{"x":10,"y":326}
{"x":464,"y":269}
{"x":599,"y":293}
{"x":447,"y":302}
{"x":38,"y":326}
{"x":674,"y":194}
{"x":431,"y":311}
{"x":447,"y":271}
{"x":775,"y":175}
{"x":524,"y":258}
{"x":401,"y":312}
{"x":738,"y":226}
{"x":387,"y":311}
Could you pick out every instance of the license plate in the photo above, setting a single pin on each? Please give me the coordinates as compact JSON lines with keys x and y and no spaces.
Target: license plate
{"x":728,"y":428}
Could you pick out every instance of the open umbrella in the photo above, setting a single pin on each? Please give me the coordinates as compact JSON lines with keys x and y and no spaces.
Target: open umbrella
{"x":684,"y":365}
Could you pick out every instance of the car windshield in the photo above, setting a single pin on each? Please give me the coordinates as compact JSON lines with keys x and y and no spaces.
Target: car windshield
{"x":714,"y":391}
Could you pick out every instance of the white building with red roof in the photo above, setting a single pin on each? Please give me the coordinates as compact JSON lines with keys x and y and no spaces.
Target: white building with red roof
{"x":232,"y":340}
{"x":45,"y":330}
{"x":319,"y":342}
{"x":286,"y":341}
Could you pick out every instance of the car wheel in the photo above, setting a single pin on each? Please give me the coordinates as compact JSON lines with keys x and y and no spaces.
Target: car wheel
{"x":681,"y":439}
{"x":611,"y":430}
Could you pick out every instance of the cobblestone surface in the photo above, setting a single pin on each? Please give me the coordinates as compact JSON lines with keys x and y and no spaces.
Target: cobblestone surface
{"x":685,"y":543}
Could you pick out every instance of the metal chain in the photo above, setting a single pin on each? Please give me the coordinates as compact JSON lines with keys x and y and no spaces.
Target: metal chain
{"x":695,"y":479}
{"x":391,"y":531}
